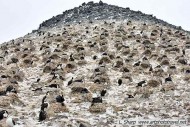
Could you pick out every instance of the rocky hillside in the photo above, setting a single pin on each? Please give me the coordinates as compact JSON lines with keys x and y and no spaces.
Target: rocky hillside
{"x":101,"y":11}
{"x":93,"y":66}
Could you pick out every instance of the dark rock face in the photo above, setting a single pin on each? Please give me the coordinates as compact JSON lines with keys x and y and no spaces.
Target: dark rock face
{"x":100,"y":11}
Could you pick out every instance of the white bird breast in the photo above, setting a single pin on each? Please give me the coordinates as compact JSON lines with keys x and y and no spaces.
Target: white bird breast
{"x":9,"y":122}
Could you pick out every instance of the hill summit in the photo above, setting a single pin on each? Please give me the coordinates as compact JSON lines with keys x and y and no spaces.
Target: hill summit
{"x":101,"y":11}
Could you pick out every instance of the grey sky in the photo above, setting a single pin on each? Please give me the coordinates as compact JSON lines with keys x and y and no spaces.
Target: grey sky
{"x":19,"y":17}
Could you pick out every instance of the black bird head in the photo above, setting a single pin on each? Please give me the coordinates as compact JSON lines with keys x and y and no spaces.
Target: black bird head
{"x":103,"y":92}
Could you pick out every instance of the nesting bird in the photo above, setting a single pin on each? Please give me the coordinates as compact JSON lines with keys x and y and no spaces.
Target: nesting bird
{"x":44,"y":105}
{"x":137,"y":64}
{"x":60,"y":99}
{"x":38,"y":80}
{"x":130,"y":96}
{"x":168,"y":79}
{"x":3,"y":114}
{"x":9,"y":120}
{"x":103,"y":92}
{"x":141,"y":83}
{"x":10,"y":88}
{"x":38,"y":89}
{"x":53,"y":85}
{"x":42,"y":115}
{"x":96,"y":100}
{"x":119,"y":81}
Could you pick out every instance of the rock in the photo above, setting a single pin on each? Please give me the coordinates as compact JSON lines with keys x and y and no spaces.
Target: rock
{"x":153,"y":83}
{"x":56,"y":108}
{"x":97,"y":108}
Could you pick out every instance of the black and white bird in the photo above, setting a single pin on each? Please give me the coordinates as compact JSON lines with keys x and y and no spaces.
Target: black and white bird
{"x":137,"y":64}
{"x":44,"y":105}
{"x":60,"y":99}
{"x":140,"y":84}
{"x":187,"y":71}
{"x":9,"y":120}
{"x":168,"y":79}
{"x":130,"y":96}
{"x":48,"y":61}
{"x":10,"y":88}
{"x":71,"y":58}
{"x":53,"y":85}
{"x":3,"y":114}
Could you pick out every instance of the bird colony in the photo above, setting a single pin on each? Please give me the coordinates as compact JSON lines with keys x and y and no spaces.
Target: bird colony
{"x":95,"y":73}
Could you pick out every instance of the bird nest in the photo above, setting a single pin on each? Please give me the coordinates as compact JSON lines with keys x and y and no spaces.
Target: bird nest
{"x":57,"y":108}
{"x":81,"y":97}
{"x":153,"y":83}
{"x":97,"y":108}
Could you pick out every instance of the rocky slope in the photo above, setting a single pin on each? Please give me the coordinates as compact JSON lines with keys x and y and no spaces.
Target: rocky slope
{"x":101,"y":11}
{"x":107,"y":67}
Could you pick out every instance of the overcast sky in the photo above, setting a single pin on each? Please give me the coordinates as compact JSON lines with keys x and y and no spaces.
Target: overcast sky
{"x":19,"y":17}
